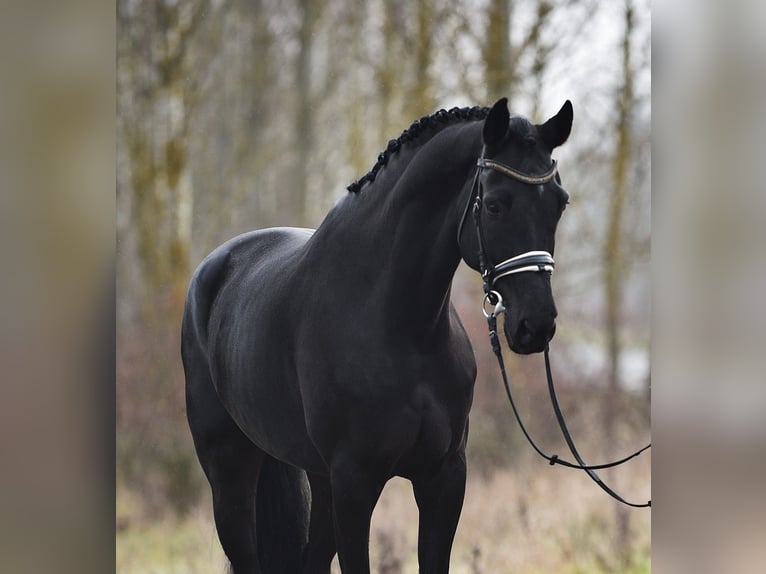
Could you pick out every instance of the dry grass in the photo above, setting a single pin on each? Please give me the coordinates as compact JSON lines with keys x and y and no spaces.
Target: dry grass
{"x":549,"y":520}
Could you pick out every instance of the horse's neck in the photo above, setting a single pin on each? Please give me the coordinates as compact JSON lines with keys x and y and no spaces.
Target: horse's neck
{"x":402,"y":241}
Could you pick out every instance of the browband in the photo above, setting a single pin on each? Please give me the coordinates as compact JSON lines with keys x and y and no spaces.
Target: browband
{"x":521,"y":176}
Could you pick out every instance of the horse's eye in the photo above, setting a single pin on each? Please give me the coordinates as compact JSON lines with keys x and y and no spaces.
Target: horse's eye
{"x":493,"y":207}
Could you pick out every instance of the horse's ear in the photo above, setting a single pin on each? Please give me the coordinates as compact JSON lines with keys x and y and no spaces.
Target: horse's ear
{"x":556,"y":130}
{"x":496,"y":124}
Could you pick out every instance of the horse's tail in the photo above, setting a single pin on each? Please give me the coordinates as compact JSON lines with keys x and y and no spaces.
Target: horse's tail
{"x":282,"y":517}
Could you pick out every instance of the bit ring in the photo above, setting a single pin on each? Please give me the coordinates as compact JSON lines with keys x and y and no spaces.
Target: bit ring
{"x":499,"y":307}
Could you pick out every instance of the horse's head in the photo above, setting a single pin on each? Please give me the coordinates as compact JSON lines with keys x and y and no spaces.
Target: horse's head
{"x":521,"y":201}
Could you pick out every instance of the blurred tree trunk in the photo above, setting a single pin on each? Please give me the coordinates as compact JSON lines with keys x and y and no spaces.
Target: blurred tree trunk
{"x":385,"y":74}
{"x":615,"y":268}
{"x":157,"y":90}
{"x":156,"y":135}
{"x":501,"y":57}
{"x":421,"y":100}
{"x":542,"y":51}
{"x":235,"y":59}
{"x":498,"y":75}
{"x":296,"y":195}
{"x":357,"y":117}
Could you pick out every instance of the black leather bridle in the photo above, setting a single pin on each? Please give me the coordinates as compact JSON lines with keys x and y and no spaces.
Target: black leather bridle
{"x":528,"y":262}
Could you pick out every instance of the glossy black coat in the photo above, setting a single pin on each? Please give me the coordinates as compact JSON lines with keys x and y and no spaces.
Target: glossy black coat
{"x":336,"y":356}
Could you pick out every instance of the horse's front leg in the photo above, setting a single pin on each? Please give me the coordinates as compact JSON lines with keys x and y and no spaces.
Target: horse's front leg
{"x":356,"y":487}
{"x":440,"y":500}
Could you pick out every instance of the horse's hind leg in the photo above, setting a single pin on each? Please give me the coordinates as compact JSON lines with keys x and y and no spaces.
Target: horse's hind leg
{"x":233,"y":480}
{"x":231,"y":463}
{"x":320,"y":550}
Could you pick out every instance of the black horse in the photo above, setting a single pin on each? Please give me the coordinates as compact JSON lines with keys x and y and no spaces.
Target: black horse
{"x":334,"y":358}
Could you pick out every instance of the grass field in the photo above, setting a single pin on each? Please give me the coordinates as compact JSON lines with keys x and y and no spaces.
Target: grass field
{"x":550,"y":521}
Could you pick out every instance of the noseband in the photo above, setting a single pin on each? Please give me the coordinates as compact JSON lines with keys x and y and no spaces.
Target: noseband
{"x":529,"y":261}
{"x":536,"y":262}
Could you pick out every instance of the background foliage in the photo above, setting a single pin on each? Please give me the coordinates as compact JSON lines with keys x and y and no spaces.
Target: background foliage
{"x":240,"y":114}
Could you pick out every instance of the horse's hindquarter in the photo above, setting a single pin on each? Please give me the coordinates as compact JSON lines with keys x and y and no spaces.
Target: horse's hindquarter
{"x":249,"y":342}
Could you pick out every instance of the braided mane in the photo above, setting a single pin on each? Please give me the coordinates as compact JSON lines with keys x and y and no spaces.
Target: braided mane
{"x":439,"y":120}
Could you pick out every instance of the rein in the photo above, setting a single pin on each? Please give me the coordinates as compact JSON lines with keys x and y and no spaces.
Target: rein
{"x":536,"y":262}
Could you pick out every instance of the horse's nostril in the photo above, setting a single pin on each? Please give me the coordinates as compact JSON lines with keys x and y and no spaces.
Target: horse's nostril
{"x":524,"y":332}
{"x":527,"y":332}
{"x":529,"y":337}
{"x":526,"y":327}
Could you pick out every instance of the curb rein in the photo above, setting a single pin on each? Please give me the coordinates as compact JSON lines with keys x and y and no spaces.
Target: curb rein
{"x":531,"y":261}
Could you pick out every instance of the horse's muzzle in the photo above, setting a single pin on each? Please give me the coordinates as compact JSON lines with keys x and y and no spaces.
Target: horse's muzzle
{"x":530,"y":336}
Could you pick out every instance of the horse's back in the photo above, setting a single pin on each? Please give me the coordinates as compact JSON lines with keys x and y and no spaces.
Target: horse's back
{"x":230,"y":262}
